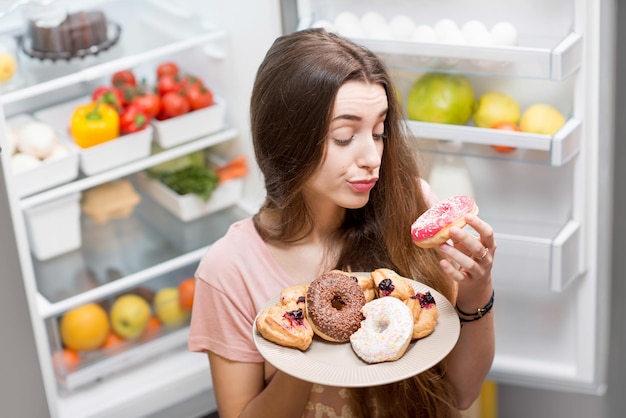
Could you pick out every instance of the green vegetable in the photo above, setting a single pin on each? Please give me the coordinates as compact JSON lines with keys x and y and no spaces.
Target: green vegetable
{"x":200,"y":181}
{"x":195,"y":159}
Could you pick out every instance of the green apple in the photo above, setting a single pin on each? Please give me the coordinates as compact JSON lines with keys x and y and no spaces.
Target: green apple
{"x":167,"y":308}
{"x":441,"y":98}
{"x":130,"y":315}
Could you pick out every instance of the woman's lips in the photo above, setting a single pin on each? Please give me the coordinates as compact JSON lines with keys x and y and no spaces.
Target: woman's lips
{"x":363,"y":185}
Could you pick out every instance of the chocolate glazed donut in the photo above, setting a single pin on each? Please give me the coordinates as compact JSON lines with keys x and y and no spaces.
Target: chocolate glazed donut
{"x":333,"y":305}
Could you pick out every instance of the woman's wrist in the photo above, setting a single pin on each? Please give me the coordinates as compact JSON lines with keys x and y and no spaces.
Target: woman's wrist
{"x":476,"y":314}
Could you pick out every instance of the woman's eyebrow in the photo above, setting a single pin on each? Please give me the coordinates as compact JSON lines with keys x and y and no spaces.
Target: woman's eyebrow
{"x":357,"y":118}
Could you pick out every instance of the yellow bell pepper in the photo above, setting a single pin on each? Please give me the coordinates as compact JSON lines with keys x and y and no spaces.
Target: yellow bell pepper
{"x":94,"y":123}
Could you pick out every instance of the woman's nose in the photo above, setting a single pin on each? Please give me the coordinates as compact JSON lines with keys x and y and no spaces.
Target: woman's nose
{"x":370,"y":153}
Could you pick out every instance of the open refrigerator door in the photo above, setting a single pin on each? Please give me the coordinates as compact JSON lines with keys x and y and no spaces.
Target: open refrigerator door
{"x":105,"y":228}
{"x":538,"y":179}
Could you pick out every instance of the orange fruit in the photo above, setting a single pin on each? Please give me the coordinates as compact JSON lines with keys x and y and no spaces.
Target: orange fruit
{"x":186,"y":290}
{"x":85,"y":327}
{"x":111,"y":340}
{"x":506,"y":126}
{"x":65,"y":360}
{"x":153,"y":328}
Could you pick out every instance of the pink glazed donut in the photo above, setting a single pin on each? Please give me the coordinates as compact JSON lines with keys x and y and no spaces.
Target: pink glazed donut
{"x":385,"y":333}
{"x":432,"y":228}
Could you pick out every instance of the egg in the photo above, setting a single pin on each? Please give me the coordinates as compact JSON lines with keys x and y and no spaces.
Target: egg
{"x":504,"y":34}
{"x":371,"y":19}
{"x":59,"y":151}
{"x":324,"y":24}
{"x":475,"y":32}
{"x":12,"y":138}
{"x":424,"y":33}
{"x":402,"y":27}
{"x":348,"y":24}
{"x":24,"y":162}
{"x":375,"y":26}
{"x":37,"y":139}
{"x":444,"y":27}
{"x":453,"y":37}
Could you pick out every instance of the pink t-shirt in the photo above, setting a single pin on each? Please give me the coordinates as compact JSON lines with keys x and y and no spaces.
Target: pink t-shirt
{"x":235,"y":279}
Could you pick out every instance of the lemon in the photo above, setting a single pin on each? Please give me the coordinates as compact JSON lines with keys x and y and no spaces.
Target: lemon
{"x":495,"y":107}
{"x":7,"y":66}
{"x":84,"y":328}
{"x":541,"y":118}
{"x":441,"y":98}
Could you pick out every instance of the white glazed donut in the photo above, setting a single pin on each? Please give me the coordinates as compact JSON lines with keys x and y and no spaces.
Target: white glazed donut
{"x":385,"y":333}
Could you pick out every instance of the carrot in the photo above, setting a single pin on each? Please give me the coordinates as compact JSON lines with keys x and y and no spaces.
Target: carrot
{"x":235,"y":168}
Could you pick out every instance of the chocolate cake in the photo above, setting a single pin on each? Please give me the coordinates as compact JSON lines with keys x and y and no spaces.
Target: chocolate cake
{"x":79,"y":31}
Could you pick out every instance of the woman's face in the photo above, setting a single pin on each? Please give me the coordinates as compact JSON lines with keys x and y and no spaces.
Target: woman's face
{"x":354,"y":148}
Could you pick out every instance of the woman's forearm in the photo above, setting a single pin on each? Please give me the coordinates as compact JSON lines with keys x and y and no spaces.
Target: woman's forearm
{"x":284,"y":396}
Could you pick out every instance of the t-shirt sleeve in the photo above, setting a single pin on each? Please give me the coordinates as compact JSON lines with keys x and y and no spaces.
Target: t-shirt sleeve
{"x":429,"y":195}
{"x":220,"y":323}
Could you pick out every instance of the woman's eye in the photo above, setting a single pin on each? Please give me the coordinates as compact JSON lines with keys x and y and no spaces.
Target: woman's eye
{"x":339,"y":141}
{"x":380,"y":136}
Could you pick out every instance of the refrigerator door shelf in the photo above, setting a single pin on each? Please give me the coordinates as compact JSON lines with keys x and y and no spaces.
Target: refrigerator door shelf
{"x":145,"y":389}
{"x":120,"y":357}
{"x":151,"y":30}
{"x":539,"y":263}
{"x":555,"y":62}
{"x":129,"y":168}
{"x":556,"y":150}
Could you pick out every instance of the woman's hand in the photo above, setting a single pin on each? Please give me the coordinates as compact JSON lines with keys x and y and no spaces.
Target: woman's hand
{"x":469,"y":262}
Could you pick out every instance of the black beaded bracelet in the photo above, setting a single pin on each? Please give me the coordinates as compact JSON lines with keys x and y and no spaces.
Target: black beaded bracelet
{"x":480,"y":312}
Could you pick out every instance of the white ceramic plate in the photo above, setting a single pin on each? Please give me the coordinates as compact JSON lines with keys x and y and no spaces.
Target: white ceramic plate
{"x":335,"y":364}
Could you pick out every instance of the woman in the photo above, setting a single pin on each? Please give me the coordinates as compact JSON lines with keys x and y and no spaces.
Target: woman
{"x":342,"y":192}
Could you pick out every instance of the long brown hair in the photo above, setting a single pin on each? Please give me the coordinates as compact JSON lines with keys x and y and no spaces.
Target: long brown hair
{"x":291,"y":107}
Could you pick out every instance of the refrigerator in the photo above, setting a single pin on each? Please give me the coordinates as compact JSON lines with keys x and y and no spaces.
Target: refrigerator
{"x":550,"y":200}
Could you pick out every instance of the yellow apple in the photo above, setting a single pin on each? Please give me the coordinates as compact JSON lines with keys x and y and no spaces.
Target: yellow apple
{"x":130,"y":315}
{"x":167,"y":308}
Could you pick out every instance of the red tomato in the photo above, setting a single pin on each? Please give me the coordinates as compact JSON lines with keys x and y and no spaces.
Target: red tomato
{"x":167,"y":68}
{"x":167,"y":84}
{"x":133,"y":119}
{"x":190,"y":80}
{"x":507,"y":126}
{"x":198,"y":96}
{"x":110,"y":96}
{"x":173,"y":104}
{"x":150,"y":103}
{"x":124,"y":78}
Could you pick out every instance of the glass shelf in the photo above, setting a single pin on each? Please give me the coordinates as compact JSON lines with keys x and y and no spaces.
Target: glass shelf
{"x":149,"y":29}
{"x":124,"y":253}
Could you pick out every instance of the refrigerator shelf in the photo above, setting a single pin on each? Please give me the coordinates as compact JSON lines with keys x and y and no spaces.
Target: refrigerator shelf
{"x":121,"y":358}
{"x":554,"y":150}
{"x":84,"y":183}
{"x":151,"y":29}
{"x":556,"y":61}
{"x":538,"y":259}
{"x":145,"y":389}
{"x":133,"y":247}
